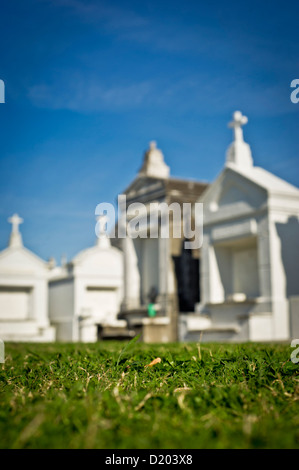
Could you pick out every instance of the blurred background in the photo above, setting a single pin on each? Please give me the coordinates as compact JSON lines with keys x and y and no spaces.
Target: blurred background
{"x":89,"y":83}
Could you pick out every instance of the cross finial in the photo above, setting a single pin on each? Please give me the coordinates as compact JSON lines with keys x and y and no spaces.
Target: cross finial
{"x":238,"y":121}
{"x":102,"y":223}
{"x":153,"y":145}
{"x":239,"y":154}
{"x":15,"y":237}
{"x":101,"y":231}
{"x":15,"y":221}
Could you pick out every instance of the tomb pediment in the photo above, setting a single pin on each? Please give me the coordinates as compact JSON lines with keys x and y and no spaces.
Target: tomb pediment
{"x":99,"y":260}
{"x":243,"y":193}
{"x":143,"y":185}
{"x":21,"y":260}
{"x":232,"y":194}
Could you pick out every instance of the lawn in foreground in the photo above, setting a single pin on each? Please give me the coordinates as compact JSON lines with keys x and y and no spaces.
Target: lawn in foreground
{"x":98,"y":396}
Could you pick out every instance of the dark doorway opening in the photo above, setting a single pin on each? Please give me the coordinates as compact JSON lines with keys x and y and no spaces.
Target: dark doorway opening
{"x":187,"y":276}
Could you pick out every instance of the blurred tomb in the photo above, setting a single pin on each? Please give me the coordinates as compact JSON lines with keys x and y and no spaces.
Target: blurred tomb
{"x":250,"y":252}
{"x":86,"y":293}
{"x":158,"y":264}
{"x":23,"y":292}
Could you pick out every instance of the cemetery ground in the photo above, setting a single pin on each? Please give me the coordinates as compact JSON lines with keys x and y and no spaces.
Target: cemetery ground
{"x":105,"y":395}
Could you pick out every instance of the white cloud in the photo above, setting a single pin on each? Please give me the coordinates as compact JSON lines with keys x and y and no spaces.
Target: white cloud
{"x":101,"y":13}
{"x":197,"y":93}
{"x":88,"y":95}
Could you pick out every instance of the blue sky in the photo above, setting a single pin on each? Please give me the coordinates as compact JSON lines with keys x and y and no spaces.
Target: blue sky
{"x":90,"y":83}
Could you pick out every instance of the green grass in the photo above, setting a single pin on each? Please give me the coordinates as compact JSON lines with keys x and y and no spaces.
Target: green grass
{"x":102,"y":396}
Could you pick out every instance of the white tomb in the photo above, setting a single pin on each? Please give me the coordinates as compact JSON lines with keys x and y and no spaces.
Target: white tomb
{"x":85,"y":295}
{"x":151,"y":275}
{"x":23,"y":292}
{"x":250,"y":252}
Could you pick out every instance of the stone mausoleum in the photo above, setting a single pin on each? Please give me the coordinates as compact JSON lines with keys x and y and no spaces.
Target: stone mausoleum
{"x":23,"y":292}
{"x":85,"y":294}
{"x":250,"y":253}
{"x":159,"y":270}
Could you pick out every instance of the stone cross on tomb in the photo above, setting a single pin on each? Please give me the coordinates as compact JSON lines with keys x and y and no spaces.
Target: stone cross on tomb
{"x":102,"y":225}
{"x":15,"y":237}
{"x":238,"y":121}
{"x":101,"y":231}
{"x":15,"y":221}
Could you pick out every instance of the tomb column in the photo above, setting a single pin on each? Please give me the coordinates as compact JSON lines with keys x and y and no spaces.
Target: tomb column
{"x":163,"y":273}
{"x":205,"y":269}
{"x":264,"y":265}
{"x":131,"y":274}
{"x":126,"y":271}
